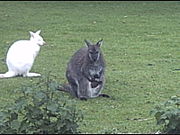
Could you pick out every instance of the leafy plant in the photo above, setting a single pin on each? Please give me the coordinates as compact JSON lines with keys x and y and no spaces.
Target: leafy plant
{"x":168,"y":115}
{"x":40,"y":109}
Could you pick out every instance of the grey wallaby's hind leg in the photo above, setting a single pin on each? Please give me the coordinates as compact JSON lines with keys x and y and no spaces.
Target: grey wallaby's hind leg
{"x":71,"y":87}
{"x":74,"y":90}
{"x":82,"y":91}
{"x":67,"y":88}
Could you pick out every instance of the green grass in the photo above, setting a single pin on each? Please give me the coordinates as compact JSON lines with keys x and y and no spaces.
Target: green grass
{"x":141,"y":49}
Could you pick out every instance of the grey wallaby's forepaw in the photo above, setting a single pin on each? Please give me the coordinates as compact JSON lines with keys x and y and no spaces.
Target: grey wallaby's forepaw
{"x":104,"y":95}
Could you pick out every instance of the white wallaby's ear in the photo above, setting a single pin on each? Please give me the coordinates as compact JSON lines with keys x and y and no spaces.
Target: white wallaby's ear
{"x":38,"y":32}
{"x":99,"y":43}
{"x":31,"y":34}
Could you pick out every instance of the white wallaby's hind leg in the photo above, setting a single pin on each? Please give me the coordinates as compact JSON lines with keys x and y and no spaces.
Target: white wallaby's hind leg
{"x":31,"y":75}
{"x":8,"y":74}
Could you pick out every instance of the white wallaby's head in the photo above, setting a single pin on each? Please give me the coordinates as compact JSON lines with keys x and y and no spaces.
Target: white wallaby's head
{"x":35,"y":37}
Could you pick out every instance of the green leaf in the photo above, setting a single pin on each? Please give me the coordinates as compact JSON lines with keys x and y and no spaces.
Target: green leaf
{"x":3,"y":115}
{"x":14,"y":116}
{"x":15,"y":124}
{"x":52,"y":107}
{"x":40,"y":95}
{"x":53,"y":85}
{"x":27,"y":90}
{"x":20,"y":103}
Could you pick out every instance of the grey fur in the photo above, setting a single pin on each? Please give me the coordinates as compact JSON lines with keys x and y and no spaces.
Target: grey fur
{"x":86,"y":72}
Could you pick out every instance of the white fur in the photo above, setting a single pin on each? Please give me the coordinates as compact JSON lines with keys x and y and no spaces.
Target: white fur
{"x":93,"y":91}
{"x":21,"y":56}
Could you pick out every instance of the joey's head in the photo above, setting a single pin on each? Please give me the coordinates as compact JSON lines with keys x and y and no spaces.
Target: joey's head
{"x":35,"y":37}
{"x":94,"y":50}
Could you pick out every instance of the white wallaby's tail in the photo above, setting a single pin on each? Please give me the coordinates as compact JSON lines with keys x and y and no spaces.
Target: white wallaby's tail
{"x":7,"y":75}
{"x":1,"y":75}
{"x":32,"y":75}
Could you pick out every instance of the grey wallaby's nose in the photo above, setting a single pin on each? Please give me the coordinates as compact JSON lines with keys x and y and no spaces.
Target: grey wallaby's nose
{"x":96,"y":76}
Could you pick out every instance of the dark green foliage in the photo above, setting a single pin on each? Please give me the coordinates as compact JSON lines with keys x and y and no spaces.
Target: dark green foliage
{"x":40,"y":109}
{"x":168,"y":115}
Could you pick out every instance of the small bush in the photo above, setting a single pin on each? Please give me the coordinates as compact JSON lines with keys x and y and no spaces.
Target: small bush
{"x":40,"y":109}
{"x":168,"y":115}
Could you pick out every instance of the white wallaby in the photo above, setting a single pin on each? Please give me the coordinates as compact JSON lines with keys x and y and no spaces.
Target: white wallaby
{"x":21,"y":56}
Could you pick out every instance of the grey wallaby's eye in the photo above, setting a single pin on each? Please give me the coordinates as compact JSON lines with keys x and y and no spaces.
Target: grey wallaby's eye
{"x":93,"y":51}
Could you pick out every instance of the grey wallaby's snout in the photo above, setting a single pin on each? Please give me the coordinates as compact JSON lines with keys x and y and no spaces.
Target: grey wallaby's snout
{"x":97,"y":76}
{"x":94,"y":58}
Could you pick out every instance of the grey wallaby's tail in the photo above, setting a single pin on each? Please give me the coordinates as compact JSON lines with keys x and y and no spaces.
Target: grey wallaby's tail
{"x":64,"y":87}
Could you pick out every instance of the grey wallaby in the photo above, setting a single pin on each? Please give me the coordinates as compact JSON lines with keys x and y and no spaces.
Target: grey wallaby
{"x":85,"y":72}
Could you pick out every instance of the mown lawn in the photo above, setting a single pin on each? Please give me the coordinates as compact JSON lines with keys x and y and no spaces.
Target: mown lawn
{"x":141,"y":48}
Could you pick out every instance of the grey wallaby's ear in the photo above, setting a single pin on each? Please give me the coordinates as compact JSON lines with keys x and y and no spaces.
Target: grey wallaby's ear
{"x":99,"y":43}
{"x":87,"y":42}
